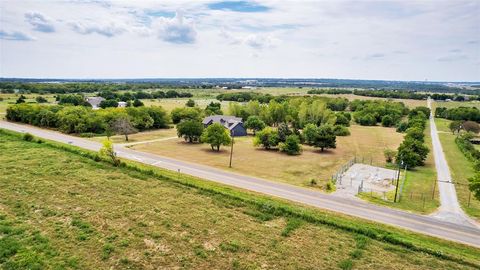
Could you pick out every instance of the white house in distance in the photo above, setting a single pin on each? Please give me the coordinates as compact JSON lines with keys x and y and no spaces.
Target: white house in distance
{"x":232,"y":123}
{"x":94,"y":101}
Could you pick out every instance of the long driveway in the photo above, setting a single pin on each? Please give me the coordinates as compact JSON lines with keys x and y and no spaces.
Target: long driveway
{"x":423,"y":224}
{"x":449,"y":209}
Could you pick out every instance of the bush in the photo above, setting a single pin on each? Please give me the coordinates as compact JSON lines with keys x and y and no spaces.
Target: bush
{"x":367,"y":120}
{"x":402,"y":126}
{"x":341,"y":131}
{"x":389,"y":155}
{"x":387,"y":121}
{"x":291,"y":146}
{"x":28,"y":137}
{"x":330,"y":187}
{"x":267,"y":138}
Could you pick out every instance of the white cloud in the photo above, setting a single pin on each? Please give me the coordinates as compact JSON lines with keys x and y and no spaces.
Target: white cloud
{"x":261,"y":41}
{"x":311,"y":39}
{"x":109,"y":29}
{"x":39,"y":22}
{"x":15,"y":35}
{"x":177,"y":30}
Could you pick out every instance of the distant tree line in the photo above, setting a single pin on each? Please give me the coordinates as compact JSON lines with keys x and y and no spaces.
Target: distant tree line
{"x":248,"y":96}
{"x":85,"y":87}
{"x":397,"y":94}
{"x":80,"y":119}
{"x":459,"y":113}
{"x":129,"y":96}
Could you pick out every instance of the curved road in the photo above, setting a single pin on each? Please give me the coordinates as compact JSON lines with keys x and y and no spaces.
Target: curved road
{"x":418,"y":223}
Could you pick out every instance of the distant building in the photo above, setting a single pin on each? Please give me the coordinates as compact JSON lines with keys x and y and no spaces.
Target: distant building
{"x":122,"y":104}
{"x":232,"y":123}
{"x":94,"y":101}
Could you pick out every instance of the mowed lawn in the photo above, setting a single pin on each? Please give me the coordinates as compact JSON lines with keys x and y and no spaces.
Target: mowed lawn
{"x":460,"y":168}
{"x":59,"y":210}
{"x":364,"y":142}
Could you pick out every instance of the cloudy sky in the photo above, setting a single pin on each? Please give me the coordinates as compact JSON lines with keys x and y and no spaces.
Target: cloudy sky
{"x":393,"y":40}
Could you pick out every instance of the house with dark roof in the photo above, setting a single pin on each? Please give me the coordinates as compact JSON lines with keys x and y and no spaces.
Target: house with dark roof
{"x":232,"y":123}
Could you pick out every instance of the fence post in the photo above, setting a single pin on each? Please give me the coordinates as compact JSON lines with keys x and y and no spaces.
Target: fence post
{"x":434,"y":186}
{"x":423,"y":202}
{"x":469,"y":195}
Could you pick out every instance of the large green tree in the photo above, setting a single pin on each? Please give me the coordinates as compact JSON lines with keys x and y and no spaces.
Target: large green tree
{"x":190,"y":130}
{"x":254,"y":123}
{"x":216,"y":135}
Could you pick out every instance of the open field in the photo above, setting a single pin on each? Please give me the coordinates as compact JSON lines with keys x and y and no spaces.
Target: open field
{"x":366,"y":142}
{"x":9,"y":99}
{"x":460,"y":168}
{"x":419,"y":183}
{"x":455,"y":104}
{"x":106,"y":217}
{"x":412,"y":103}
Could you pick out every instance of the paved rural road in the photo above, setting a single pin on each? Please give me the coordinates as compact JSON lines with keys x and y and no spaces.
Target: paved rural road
{"x":423,"y":224}
{"x":449,"y":209}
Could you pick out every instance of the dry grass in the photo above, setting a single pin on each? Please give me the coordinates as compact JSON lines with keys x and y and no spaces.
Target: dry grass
{"x":368,"y":142}
{"x":112,"y":218}
{"x":140,"y":136}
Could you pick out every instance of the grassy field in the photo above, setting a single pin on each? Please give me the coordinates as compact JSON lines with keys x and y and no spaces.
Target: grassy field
{"x":460,"y":168}
{"x":140,"y":136}
{"x":367,"y":142}
{"x":95,"y":216}
{"x":455,"y":104}
{"x":412,"y":103}
{"x":417,"y":194}
{"x":9,"y":99}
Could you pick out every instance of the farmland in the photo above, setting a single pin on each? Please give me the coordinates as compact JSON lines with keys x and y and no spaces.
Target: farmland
{"x":364,"y":142}
{"x":106,"y":217}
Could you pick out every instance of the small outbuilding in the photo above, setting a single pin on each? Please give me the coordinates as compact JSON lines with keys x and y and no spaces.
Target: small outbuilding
{"x":232,"y":123}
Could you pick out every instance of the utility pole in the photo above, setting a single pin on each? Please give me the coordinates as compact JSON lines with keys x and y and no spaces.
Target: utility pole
{"x":398,"y":180}
{"x":231,"y":149}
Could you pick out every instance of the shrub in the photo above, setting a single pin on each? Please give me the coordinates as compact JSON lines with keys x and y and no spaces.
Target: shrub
{"x":367,"y":120}
{"x":402,"y":126}
{"x":389,"y":155}
{"x":387,"y":121}
{"x":291,"y":146}
{"x":313,"y":182}
{"x":341,"y":131}
{"x":330,"y":186}
{"x":28,"y":137}
{"x":267,"y":138}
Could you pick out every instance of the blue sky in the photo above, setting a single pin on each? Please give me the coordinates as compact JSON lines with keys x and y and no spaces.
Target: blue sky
{"x":393,"y":40}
